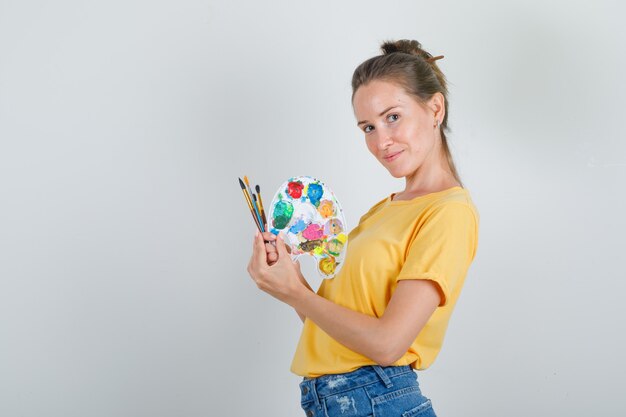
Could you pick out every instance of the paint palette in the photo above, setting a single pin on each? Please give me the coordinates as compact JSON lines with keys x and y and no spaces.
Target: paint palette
{"x":312,"y":221}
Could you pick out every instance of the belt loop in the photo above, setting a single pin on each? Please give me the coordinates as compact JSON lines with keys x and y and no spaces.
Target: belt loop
{"x":314,"y":393}
{"x":381,"y":373}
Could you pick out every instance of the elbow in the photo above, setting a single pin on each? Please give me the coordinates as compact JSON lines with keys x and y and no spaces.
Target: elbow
{"x":388,"y":360}
{"x":388,"y":348}
{"x":384,"y":363}
{"x":388,"y":355}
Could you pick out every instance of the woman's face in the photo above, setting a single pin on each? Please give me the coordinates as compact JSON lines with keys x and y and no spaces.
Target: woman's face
{"x":399,"y":131}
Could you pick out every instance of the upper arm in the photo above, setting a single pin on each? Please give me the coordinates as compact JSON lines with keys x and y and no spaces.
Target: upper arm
{"x":410,"y":307}
{"x":443,"y":249}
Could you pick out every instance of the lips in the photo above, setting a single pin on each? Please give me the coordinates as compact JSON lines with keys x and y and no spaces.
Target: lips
{"x":391,"y":156}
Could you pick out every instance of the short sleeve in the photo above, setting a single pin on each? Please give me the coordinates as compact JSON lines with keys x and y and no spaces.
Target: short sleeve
{"x":442,"y":248}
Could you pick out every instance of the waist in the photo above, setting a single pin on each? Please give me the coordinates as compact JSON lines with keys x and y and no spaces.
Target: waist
{"x":331,"y":384}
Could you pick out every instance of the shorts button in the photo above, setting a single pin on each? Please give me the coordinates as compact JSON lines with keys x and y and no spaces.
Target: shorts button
{"x":309,"y":413}
{"x":305,"y":390}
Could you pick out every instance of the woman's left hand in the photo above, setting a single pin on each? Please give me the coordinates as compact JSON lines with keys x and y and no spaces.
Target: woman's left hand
{"x":281,"y":280}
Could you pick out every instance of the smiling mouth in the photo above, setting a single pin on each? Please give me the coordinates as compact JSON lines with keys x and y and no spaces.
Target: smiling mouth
{"x":392,"y":156}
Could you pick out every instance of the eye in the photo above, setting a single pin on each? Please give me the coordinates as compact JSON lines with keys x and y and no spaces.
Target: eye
{"x":393,"y":117}
{"x":368,"y":128}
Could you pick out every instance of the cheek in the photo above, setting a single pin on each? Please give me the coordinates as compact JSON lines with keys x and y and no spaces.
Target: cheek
{"x":407,"y":131}
{"x":418,"y":137}
{"x":370,"y":146}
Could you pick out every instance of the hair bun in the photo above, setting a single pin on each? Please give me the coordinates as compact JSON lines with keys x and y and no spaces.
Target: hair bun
{"x":408,"y":46}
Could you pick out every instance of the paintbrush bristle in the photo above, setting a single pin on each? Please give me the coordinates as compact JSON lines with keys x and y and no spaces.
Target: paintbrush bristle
{"x":257,"y":188}
{"x":243,"y":187}
{"x":245,"y":178}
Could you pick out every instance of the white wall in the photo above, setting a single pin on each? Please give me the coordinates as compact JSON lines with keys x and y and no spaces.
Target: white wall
{"x":124,"y":236}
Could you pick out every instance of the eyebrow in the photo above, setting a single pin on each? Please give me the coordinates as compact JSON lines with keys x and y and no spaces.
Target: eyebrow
{"x":381,"y":113}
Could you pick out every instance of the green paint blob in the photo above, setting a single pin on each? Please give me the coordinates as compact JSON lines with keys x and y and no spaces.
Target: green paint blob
{"x":283,"y":210}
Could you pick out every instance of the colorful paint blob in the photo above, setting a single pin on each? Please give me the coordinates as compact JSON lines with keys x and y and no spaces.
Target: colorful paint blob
{"x":333,"y":227}
{"x":311,"y":245}
{"x":294,"y":189}
{"x":315,"y":193}
{"x":283,"y":211}
{"x":312,"y":220}
{"x":334,"y":247}
{"x":313,"y":231}
{"x":328,"y":265}
{"x":298,"y":227}
{"x":326,"y":209}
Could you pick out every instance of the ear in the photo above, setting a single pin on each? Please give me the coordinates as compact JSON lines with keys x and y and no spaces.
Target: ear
{"x":437,"y":104}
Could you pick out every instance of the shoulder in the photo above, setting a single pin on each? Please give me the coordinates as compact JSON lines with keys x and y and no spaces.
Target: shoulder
{"x":457,"y":202}
{"x":453,"y":214}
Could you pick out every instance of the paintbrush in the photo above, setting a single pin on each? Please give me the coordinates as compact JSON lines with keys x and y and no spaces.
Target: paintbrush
{"x":256,"y":208}
{"x":245,"y":179}
{"x":256,"y":204}
{"x":249,"y":201}
{"x":258,"y":192}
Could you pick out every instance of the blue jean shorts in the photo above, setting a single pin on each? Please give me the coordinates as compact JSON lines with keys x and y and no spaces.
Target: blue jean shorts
{"x":369,"y":391}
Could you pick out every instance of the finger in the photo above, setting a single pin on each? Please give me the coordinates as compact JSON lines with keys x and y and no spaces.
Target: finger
{"x":269,"y":236}
{"x":281,"y":247}
{"x":270,"y":248}
{"x":258,"y":250}
{"x":272,"y":257}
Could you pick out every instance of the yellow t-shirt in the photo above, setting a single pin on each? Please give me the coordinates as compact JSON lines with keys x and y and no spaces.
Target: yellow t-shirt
{"x":432,"y":237}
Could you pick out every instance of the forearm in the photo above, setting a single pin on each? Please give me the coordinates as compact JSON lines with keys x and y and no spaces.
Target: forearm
{"x":306,"y":284}
{"x":359,"y":332}
{"x":302,"y":316}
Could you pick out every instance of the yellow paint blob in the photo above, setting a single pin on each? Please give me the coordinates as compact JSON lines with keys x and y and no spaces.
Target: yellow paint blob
{"x":328,"y":265}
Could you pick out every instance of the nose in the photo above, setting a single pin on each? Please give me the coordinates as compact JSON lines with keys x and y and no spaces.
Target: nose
{"x":384,"y":139}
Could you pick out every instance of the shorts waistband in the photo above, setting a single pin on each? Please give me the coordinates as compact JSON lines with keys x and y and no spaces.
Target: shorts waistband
{"x":315,"y":389}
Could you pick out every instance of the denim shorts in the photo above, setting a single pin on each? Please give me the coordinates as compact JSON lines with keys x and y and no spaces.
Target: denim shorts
{"x":369,"y":391}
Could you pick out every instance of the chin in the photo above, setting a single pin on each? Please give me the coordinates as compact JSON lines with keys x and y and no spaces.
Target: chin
{"x":396,"y":173}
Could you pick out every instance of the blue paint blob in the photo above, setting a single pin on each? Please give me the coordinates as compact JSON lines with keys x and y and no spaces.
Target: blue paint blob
{"x":298,"y":226}
{"x":315,"y":193}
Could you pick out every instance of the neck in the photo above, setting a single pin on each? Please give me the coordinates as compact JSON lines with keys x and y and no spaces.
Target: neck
{"x":435,"y":174}
{"x":429,"y":178}
{"x":417,"y":185}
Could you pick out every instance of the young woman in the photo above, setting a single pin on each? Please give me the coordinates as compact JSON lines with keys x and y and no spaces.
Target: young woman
{"x":385,"y":313}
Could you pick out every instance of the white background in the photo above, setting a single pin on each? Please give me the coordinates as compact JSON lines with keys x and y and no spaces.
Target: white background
{"x":124,"y":236}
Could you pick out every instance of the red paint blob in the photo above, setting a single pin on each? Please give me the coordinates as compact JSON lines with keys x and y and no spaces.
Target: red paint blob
{"x":294,"y":189}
